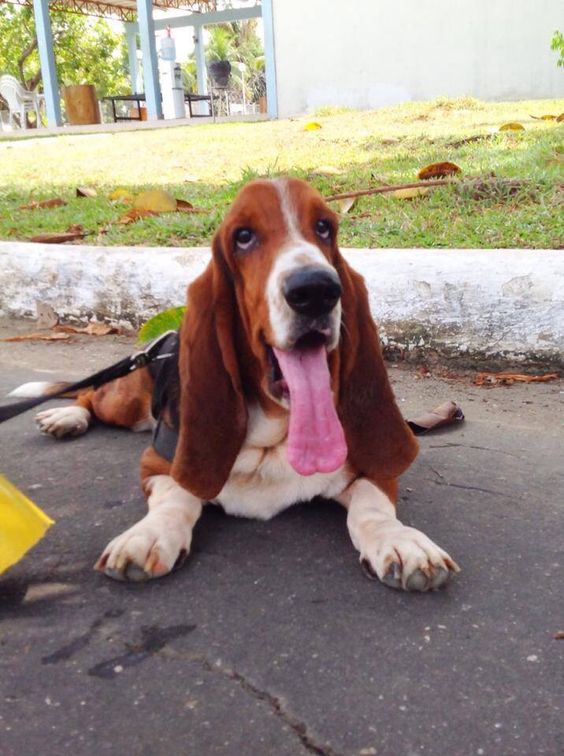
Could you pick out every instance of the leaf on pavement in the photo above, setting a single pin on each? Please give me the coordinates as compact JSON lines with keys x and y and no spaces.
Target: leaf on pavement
{"x":506,"y":378}
{"x":39,"y":337}
{"x":40,"y":205}
{"x":86,"y":191}
{"x":438,"y":170}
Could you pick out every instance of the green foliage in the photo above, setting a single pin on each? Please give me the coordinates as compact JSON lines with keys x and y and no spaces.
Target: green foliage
{"x":557,"y":44}
{"x":169,"y":320}
{"x":87,"y":51}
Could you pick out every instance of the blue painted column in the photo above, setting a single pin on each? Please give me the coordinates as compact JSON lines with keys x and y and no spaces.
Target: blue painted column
{"x":269,"y":59}
{"x":131,"y":36}
{"x":47,"y":60}
{"x":150,"y":60}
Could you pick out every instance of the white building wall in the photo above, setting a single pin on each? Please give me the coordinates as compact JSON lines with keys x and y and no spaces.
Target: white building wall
{"x":369,"y":53}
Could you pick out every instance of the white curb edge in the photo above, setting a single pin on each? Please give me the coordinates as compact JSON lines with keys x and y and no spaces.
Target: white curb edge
{"x":495,"y":304}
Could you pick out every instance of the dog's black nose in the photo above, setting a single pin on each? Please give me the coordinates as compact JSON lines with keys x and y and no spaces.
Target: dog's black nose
{"x":312,"y":290}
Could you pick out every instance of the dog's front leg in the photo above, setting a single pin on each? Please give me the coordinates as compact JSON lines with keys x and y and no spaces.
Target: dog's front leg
{"x":402,"y":557}
{"x":158,"y":542}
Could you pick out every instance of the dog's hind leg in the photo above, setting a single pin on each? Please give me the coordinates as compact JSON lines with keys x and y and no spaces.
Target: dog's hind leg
{"x":125,"y":402}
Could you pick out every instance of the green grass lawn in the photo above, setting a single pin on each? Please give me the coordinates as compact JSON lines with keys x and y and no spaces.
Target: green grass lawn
{"x":207,"y":164}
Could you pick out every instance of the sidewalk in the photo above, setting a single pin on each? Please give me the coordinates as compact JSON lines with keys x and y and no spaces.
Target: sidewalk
{"x":467,"y":305}
{"x":270,"y":641}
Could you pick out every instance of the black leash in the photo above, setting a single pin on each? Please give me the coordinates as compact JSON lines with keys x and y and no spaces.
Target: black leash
{"x":144,"y":357}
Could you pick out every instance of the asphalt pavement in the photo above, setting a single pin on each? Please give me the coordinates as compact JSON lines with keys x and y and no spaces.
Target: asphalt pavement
{"x":270,"y":640}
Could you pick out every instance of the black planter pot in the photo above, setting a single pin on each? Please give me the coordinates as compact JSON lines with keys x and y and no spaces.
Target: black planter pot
{"x":220,"y":71}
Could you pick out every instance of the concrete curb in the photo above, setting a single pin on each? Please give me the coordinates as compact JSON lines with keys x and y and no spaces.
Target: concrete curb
{"x":495,"y":305}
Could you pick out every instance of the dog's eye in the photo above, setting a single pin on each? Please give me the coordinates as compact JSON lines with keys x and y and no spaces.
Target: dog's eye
{"x":323,"y":229}
{"x":245,"y":239}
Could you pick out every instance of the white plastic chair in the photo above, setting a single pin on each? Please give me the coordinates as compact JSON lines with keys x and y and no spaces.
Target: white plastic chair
{"x":20,"y":101}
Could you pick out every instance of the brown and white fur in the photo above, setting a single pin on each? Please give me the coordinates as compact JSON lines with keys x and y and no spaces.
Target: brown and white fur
{"x":233,"y":435}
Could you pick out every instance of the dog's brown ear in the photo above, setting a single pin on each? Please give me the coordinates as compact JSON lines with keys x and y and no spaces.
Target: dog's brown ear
{"x":213,"y":414}
{"x":381,"y":445}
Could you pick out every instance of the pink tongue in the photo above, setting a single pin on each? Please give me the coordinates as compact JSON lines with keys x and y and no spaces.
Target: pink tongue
{"x":316,"y":440}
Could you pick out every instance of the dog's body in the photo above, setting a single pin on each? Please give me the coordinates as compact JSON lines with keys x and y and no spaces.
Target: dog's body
{"x":282,"y":396}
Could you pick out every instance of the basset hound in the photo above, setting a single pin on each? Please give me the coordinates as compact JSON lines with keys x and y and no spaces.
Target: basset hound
{"x":279,"y":394}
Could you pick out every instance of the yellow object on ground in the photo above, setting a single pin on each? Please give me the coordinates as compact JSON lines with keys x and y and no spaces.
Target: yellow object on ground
{"x":22,"y":524}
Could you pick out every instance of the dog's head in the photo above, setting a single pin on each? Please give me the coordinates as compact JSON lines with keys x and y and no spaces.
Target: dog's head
{"x":279,"y":318}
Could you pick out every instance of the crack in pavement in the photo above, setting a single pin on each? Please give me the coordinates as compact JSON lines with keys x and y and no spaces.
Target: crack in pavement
{"x":298,"y":727}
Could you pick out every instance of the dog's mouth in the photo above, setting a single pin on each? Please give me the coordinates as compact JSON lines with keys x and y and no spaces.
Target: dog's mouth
{"x":300,"y":380}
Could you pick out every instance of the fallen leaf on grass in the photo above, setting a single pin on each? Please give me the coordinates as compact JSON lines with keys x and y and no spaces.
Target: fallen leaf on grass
{"x":560,"y":118}
{"x":46,"y":315}
{"x":120,"y":195}
{"x":512,"y":126}
{"x":312,"y":126}
{"x":39,"y":337}
{"x":38,"y":205}
{"x":544,"y":117}
{"x":505,"y":378}
{"x":60,"y":237}
{"x":183,"y":206}
{"x":86,"y":191}
{"x":346,"y":204}
{"x":438,"y":170}
{"x":131,"y":216}
{"x":411,"y":193}
{"x":327,"y":170}
{"x":156,"y":200}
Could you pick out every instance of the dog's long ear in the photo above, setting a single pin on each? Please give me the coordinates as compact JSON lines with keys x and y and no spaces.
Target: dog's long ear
{"x":381,"y":445}
{"x":213,"y":414}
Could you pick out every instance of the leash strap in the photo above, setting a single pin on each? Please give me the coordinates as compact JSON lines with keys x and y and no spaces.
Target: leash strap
{"x":140,"y":359}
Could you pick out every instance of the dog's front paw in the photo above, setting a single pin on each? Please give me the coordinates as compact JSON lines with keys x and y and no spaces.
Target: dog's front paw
{"x":153,"y":547}
{"x":63,"y":421}
{"x":404,"y":558}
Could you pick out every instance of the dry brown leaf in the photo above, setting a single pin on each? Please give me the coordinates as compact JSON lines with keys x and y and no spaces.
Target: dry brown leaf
{"x":183,"y":206}
{"x":156,"y":200}
{"x":507,"y":378}
{"x":133,"y":215}
{"x":445,"y":414}
{"x":559,"y":635}
{"x":411,"y":193}
{"x":39,"y":337}
{"x":86,"y":191}
{"x":94,"y":328}
{"x":438,"y":170}
{"x":346,"y":205}
{"x":36,"y":205}
{"x":560,"y":118}
{"x":46,"y":315}
{"x":512,"y":126}
{"x":544,"y":117}
{"x":60,"y":237}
